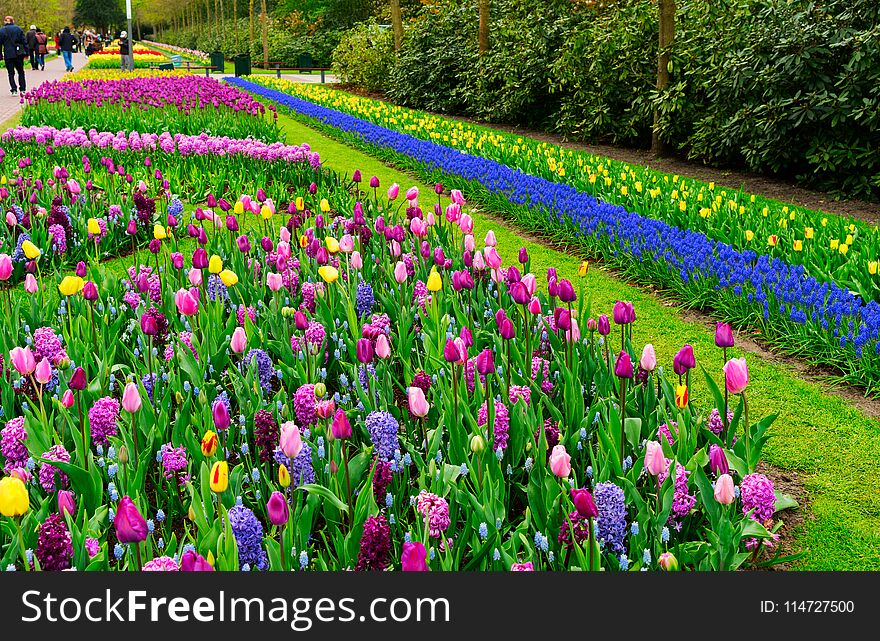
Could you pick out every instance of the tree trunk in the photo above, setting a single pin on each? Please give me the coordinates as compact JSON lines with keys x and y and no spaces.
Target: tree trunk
{"x":235,"y":24}
{"x":250,"y":26}
{"x":265,"y":35}
{"x":138,"y":25}
{"x":667,"y":35}
{"x":484,"y":26}
{"x":208,"y":18}
{"x":397,"y":23}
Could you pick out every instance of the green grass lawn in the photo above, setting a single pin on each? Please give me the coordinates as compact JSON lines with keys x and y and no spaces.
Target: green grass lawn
{"x":820,"y":435}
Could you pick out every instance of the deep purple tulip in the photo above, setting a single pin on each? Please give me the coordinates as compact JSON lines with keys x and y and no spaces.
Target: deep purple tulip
{"x":81,"y":269}
{"x":684,"y":360}
{"x":267,"y":244}
{"x":584,"y":503}
{"x":220,"y":414}
{"x":468,"y":259}
{"x":148,"y":325}
{"x":192,"y":561}
{"x":624,"y":312}
{"x":485,"y":362}
{"x":450,"y":351}
{"x":244,"y":244}
{"x":438,"y":189}
{"x":374,"y":182}
{"x":132,"y":227}
{"x":623,"y":368}
{"x":232,"y":223}
{"x":723,"y":335}
{"x":566,"y":291}
{"x":364,"y":350}
{"x":277,"y":508}
{"x":356,"y":177}
{"x":200,"y":258}
{"x":520,"y":293}
{"x":718,"y":460}
{"x":130,"y":526}
{"x":302,"y":323}
{"x":78,"y":381}
{"x":563,"y":319}
{"x":90,"y":291}
{"x":603,"y":325}
{"x":553,"y":288}
{"x":507,"y":330}
{"x":212,"y":201}
{"x":523,"y":256}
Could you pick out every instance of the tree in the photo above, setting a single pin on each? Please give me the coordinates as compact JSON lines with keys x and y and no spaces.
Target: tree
{"x":250,"y":26}
{"x":265,"y":35}
{"x":101,"y":14}
{"x":484,"y":26}
{"x":397,"y":23}
{"x":667,"y":35}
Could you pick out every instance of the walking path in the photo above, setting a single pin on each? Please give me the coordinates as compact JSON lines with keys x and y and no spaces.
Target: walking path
{"x":9,"y":104}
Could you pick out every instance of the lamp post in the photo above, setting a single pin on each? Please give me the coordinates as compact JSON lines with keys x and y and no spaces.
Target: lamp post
{"x":130,"y":35}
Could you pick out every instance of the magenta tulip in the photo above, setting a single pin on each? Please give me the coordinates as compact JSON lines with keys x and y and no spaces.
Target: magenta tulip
{"x":130,"y":525}
{"x":414,"y":557}
{"x":340,"y":428}
{"x":278,"y":510}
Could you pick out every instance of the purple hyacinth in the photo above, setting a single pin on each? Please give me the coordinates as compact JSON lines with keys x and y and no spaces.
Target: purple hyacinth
{"x":304,"y":403}
{"x":383,"y":433}
{"x":308,"y":297}
{"x":12,"y":438}
{"x":265,"y":370}
{"x":216,"y":288}
{"x":266,"y":433}
{"x":375,"y":552}
{"x":382,"y":477}
{"x":47,"y":344}
{"x":664,"y":431}
{"x":59,"y":238}
{"x":682,"y":501}
{"x":248,"y":533}
{"x":364,"y":300}
{"x":103,"y":416}
{"x":48,"y":479}
{"x":611,"y":522}
{"x":174,"y":463}
{"x":580,"y":525}
{"x":54,"y":544}
{"x":757,"y":494}
{"x":301,"y":470}
{"x":715,"y":424}
{"x":501,"y":425}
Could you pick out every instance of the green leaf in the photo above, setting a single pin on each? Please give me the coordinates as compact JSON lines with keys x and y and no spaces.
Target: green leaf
{"x":326,"y":493}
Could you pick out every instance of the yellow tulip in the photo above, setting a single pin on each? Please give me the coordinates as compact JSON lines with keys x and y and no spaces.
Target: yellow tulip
{"x":215,"y":265}
{"x":300,"y":204}
{"x":30,"y":250}
{"x":584,"y":268}
{"x":303,"y":241}
{"x":824,"y":222}
{"x":71,"y":285}
{"x":872,"y":267}
{"x":328,"y":273}
{"x":219,"y":477}
{"x":325,"y":206}
{"x":681,"y":396}
{"x":283,"y":476}
{"x":238,"y":209}
{"x":773,"y":240}
{"x":266,"y":212}
{"x":332,"y":244}
{"x":159,"y":232}
{"x":682,"y":206}
{"x":849,"y":239}
{"x":798,"y":245}
{"x":228,"y":277}
{"x":843,"y":248}
{"x":435,"y":283}
{"x":210,"y":558}
{"x":623,"y":191}
{"x":808,"y":232}
{"x":93,"y":227}
{"x":209,"y":443}
{"x":13,"y":497}
{"x":835,"y":244}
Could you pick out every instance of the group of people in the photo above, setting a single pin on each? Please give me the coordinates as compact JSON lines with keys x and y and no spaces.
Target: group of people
{"x":16,"y":46}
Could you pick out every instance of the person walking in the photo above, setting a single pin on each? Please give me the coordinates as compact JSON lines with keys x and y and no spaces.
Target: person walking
{"x":14,"y":49}
{"x":31,"y":39}
{"x":66,"y":43}
{"x":42,"y":49}
{"x":125,"y":51}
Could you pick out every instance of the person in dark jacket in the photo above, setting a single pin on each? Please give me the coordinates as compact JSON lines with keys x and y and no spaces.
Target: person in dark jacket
{"x":66,"y":43}
{"x":42,"y":49}
{"x":14,"y":49}
{"x":31,"y":39}
{"x":125,"y":51}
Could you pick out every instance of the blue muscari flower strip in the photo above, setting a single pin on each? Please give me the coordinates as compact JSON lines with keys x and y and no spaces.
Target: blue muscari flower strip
{"x":664,"y":534}
{"x":484,"y":530}
{"x":681,"y":256}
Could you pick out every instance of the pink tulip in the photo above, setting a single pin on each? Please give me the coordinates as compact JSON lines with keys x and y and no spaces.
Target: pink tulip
{"x":417,"y":403}
{"x":412,"y":193}
{"x":648,"y":361}
{"x":131,"y":398}
{"x":274,"y":281}
{"x":395,"y":249}
{"x":187,"y":303}
{"x":535,"y":307}
{"x":736,"y":375}
{"x":43,"y":371}
{"x":284,"y":235}
{"x":291,"y":441}
{"x":346,"y":244}
{"x":356,"y":260}
{"x":724,"y":491}
{"x":531,"y":283}
{"x":383,"y":347}
{"x":478,"y":263}
{"x":655,"y":460}
{"x":456,"y":197}
{"x":195,"y":277}
{"x":469,"y":243}
{"x":11,"y":220}
{"x":560,"y":462}
{"x":400,"y":274}
{"x":5,"y":266}
{"x":393,"y":190}
{"x":466,"y":223}
{"x":341,"y":427}
{"x":491,"y":241}
{"x":239,"y":340}
{"x":30,"y":284}
{"x":67,"y":399}
{"x":23,"y":360}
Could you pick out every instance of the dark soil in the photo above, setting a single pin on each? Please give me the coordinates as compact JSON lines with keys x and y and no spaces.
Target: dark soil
{"x":733,"y":178}
{"x":788,"y":482}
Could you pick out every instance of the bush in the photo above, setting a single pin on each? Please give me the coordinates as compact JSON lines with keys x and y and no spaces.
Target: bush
{"x":365,"y":57}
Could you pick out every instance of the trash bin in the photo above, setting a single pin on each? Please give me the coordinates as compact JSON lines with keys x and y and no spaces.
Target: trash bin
{"x":242,"y":64}
{"x":217,"y":61}
{"x":305,"y":61}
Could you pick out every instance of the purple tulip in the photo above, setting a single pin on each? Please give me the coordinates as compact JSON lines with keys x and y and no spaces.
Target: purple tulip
{"x":603,"y":325}
{"x":220,"y":414}
{"x":364,"y":350}
{"x":130,"y":526}
{"x":485,"y":362}
{"x":624,"y":313}
{"x":566,"y":291}
{"x":723,"y":335}
{"x":718,"y":460}
{"x":623,"y":368}
{"x":278,"y":510}
{"x":684,"y":360}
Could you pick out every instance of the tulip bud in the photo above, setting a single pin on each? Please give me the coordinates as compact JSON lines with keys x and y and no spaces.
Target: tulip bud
{"x":220,"y":414}
{"x":477,"y":444}
{"x":668,"y":562}
{"x":278,"y":510}
{"x":320,"y":390}
{"x":66,"y":503}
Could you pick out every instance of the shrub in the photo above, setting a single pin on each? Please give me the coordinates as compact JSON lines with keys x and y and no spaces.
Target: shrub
{"x":364,"y":57}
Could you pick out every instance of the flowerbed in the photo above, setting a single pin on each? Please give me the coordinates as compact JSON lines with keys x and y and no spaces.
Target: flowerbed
{"x":357,"y":385}
{"x":821,"y":321}
{"x":70,"y":193}
{"x":111,"y":61}
{"x":176,"y":104}
{"x":183,"y":51}
{"x":832,"y":248}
